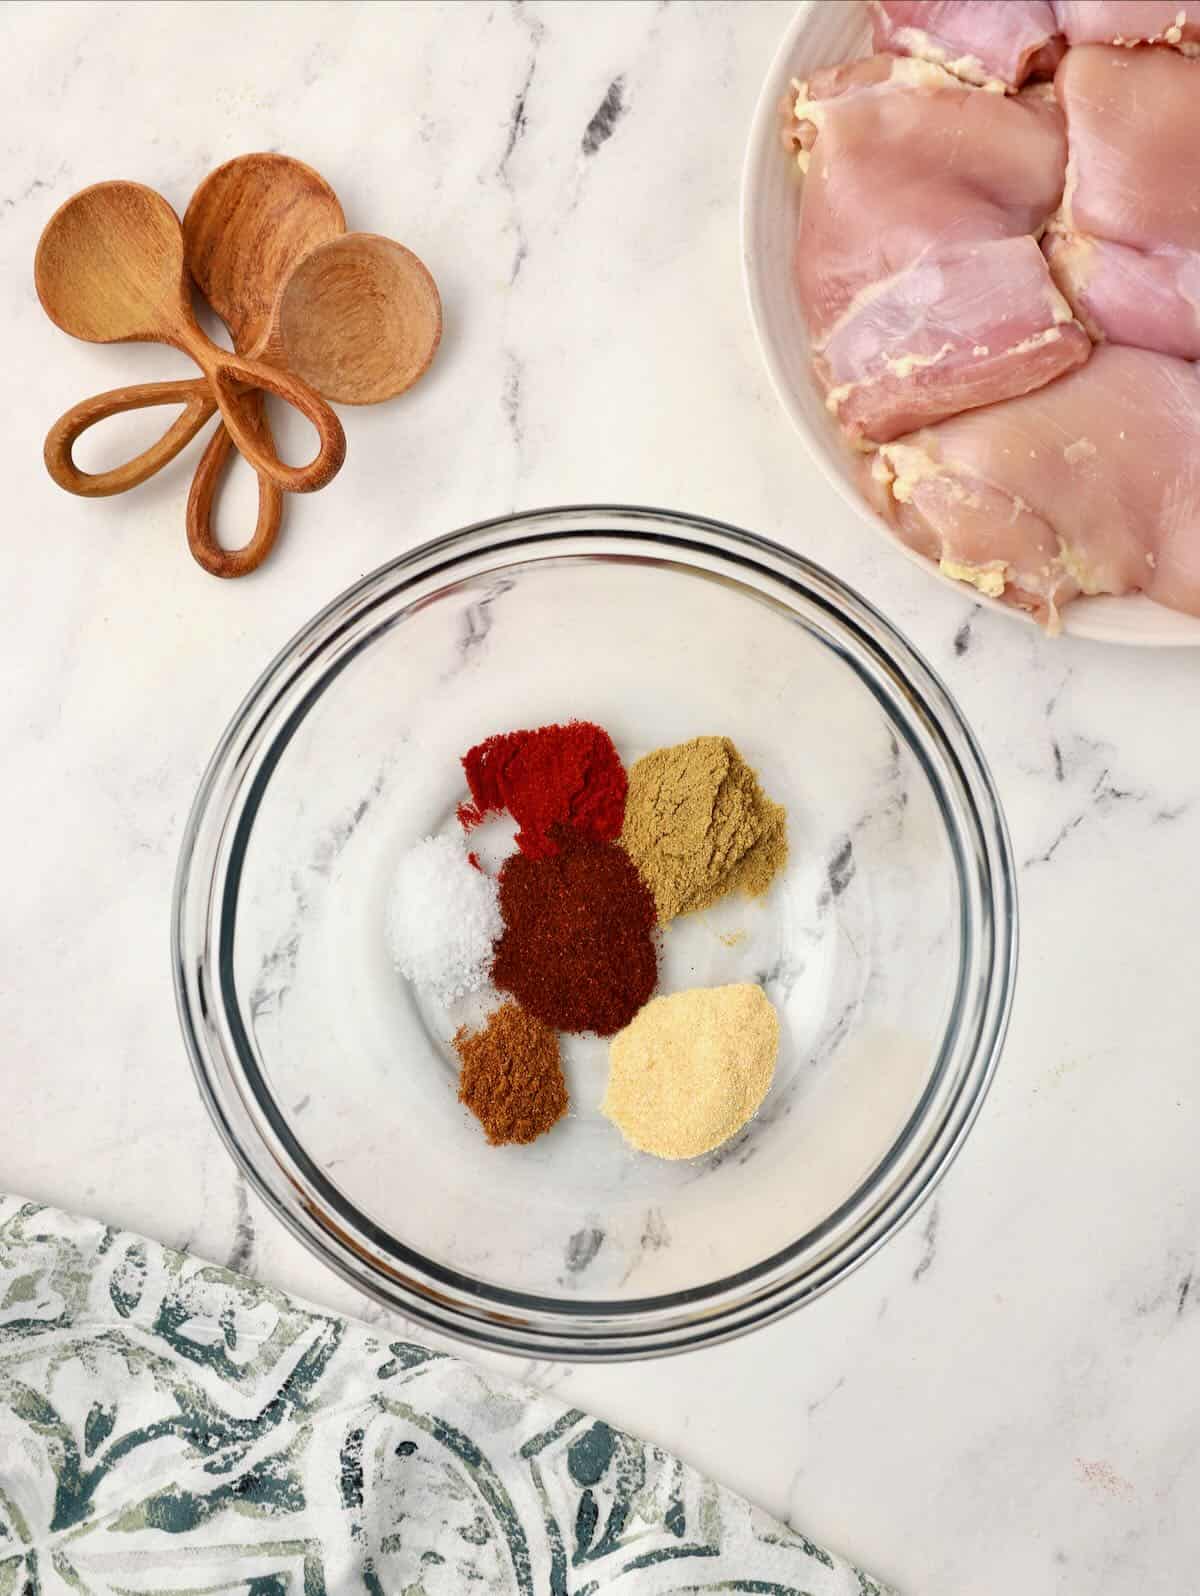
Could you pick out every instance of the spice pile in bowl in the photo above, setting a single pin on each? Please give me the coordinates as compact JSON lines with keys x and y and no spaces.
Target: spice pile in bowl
{"x":568,"y":932}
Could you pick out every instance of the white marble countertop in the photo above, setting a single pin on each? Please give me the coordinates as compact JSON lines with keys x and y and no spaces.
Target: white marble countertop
{"x":1003,"y":1399}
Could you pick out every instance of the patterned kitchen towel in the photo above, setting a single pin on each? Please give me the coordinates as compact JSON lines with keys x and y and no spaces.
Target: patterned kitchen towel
{"x":166,"y":1425}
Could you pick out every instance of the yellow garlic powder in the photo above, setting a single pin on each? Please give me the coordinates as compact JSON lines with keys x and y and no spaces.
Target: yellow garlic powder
{"x":692,"y":1068}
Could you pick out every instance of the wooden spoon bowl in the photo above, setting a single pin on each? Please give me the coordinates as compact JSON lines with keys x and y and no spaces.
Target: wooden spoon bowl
{"x":359,"y":319}
{"x":109,"y":266}
{"x":247,"y":226}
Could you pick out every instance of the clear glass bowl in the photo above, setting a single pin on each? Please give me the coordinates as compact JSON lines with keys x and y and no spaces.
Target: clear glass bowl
{"x":888,"y":945}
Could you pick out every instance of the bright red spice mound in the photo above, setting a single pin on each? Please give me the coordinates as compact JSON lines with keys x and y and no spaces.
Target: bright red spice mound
{"x":578,"y":946}
{"x":566,"y":776}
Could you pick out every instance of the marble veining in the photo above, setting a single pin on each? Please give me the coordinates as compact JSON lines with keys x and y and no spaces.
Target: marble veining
{"x":582,"y":1249}
{"x":1086,"y":766}
{"x":476,"y":623}
{"x":607,"y":114}
{"x":517,"y":124}
{"x":929,"y":1240}
{"x":840,"y":871}
{"x":241,"y":1254}
{"x":962,"y":638}
{"x":278,"y":966}
{"x":597,"y":346}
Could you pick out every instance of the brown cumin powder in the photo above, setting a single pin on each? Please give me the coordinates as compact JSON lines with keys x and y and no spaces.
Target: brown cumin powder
{"x":698,"y":825}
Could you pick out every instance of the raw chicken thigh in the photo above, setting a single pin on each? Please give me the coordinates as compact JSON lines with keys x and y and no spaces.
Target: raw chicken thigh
{"x":1148,"y":298}
{"x":921,"y":284}
{"x":981,"y":41}
{"x":964,"y":326}
{"x":1003,"y":43}
{"x":901,"y":159}
{"x":1125,"y":248}
{"x":1090,"y":485}
{"x":1001,"y":282}
{"x":1130,"y":22}
{"x":1133,"y":128}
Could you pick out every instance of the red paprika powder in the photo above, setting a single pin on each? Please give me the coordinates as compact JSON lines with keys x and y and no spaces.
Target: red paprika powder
{"x":577,"y":949}
{"x":568,"y":776}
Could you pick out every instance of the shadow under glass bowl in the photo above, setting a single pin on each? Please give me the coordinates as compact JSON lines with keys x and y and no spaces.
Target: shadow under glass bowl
{"x":888,"y":944}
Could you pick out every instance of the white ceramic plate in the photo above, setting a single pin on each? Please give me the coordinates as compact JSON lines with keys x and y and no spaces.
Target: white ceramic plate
{"x":821,"y":33}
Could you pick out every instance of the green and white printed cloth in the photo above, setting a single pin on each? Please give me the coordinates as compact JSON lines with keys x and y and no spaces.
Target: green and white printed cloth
{"x":166,"y":1425}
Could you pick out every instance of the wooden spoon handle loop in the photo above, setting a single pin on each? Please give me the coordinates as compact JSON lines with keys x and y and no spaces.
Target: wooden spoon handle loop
{"x":229,"y":375}
{"x":206,"y":484}
{"x":198,"y":405}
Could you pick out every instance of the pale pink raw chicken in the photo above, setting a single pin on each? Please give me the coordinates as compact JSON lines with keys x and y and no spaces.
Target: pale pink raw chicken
{"x":922,"y":288}
{"x":1147,"y":298}
{"x":1125,"y":249}
{"x":981,"y":41}
{"x":1133,"y":129}
{"x":1089,"y":485}
{"x":957,"y":329}
{"x":919,"y":150}
{"x":1130,"y":22}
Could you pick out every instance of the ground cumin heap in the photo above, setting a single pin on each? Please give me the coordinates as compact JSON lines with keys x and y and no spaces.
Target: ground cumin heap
{"x":512,"y":1079}
{"x":698,"y":825}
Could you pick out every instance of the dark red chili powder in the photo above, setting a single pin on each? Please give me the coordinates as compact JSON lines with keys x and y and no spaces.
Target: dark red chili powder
{"x":577,"y":949}
{"x":555,"y":776}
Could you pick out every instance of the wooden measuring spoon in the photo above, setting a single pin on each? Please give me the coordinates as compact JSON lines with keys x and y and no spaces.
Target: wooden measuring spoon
{"x":110,"y":269}
{"x":360,"y":319}
{"x":246,"y":229}
{"x":248,"y":225}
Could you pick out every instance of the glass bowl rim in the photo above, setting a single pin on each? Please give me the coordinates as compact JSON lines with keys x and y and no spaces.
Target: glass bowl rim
{"x":441,"y":1297}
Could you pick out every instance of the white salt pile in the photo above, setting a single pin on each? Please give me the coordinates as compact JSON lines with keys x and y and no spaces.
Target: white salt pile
{"x":443,"y":918}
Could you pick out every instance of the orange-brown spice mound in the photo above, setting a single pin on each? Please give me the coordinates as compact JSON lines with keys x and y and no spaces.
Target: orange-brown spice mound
{"x":512,"y":1079}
